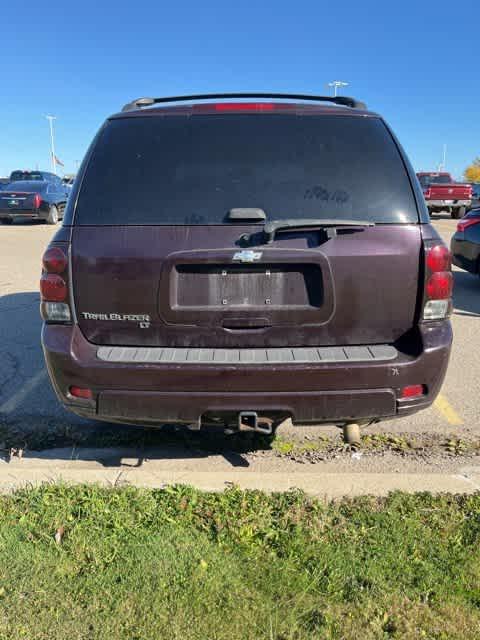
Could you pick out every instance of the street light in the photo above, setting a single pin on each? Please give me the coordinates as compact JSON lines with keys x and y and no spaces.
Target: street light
{"x":336,"y":85}
{"x":54,"y":160}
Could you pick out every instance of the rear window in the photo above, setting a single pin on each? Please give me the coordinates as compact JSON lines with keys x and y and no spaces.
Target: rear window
{"x":427,"y":180}
{"x":192,"y":170}
{"x":25,"y":175}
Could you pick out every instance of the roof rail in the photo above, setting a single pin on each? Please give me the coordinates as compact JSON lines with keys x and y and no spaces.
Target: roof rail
{"x":341,"y":100}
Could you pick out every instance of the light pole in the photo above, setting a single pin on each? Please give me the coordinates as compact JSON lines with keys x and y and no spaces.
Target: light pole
{"x":54,"y":161}
{"x":442,"y":165}
{"x":336,"y":85}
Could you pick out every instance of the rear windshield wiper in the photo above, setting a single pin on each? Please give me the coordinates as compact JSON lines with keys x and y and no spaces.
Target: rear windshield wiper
{"x":273,"y":226}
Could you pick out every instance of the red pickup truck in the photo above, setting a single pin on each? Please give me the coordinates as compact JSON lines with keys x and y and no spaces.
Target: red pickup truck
{"x":442,"y":193}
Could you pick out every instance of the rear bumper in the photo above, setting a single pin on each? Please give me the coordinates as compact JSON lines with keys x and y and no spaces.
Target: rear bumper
{"x":155,"y":393}
{"x":449,"y":203}
{"x":27,"y":214}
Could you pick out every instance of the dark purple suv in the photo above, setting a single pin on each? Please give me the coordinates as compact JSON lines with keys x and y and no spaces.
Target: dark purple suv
{"x":240,"y":263}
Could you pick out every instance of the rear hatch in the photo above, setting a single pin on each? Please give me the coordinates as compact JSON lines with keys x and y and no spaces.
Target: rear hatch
{"x":450,"y":191}
{"x":157,"y":261}
{"x":21,"y":199}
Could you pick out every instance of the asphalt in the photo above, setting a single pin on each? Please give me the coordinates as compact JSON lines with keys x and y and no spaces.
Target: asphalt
{"x":28,"y":403}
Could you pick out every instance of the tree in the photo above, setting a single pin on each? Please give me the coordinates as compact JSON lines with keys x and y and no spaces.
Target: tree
{"x":472,"y":172}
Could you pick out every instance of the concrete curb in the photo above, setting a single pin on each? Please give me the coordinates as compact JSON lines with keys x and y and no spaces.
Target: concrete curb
{"x":324,"y":485}
{"x":117,"y":466}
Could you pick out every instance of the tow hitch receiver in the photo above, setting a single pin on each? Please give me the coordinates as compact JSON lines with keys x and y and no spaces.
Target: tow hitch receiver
{"x":250,"y":421}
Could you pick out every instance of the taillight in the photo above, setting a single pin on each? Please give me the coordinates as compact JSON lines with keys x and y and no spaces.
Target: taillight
{"x":466,"y":223}
{"x":54,"y":286}
{"x":439,"y":258}
{"x":427,"y":193}
{"x":440,"y":286}
{"x":438,"y":282}
{"x":54,"y":260}
{"x":37,"y":201}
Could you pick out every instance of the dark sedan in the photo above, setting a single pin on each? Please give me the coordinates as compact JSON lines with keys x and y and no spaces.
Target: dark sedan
{"x":466,"y":243}
{"x":33,"y":200}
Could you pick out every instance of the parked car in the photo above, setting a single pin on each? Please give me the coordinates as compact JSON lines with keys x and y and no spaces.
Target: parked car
{"x":33,"y":200}
{"x":239,"y":263}
{"x":442,"y":193}
{"x":68,"y":181}
{"x":475,"y":196}
{"x":465,"y":243}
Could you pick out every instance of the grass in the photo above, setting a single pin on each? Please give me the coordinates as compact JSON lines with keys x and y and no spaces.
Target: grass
{"x":179,"y":563}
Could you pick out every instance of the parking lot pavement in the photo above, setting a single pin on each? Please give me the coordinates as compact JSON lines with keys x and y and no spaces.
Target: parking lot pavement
{"x":26,"y":398}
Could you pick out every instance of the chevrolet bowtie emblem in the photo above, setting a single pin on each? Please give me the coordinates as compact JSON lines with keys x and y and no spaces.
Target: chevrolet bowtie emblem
{"x":247,"y":256}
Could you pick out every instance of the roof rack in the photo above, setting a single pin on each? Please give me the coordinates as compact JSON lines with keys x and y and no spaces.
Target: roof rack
{"x":341,"y":100}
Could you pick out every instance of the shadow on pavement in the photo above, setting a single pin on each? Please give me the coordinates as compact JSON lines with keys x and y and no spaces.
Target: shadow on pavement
{"x":36,"y":420}
{"x":442,"y":215}
{"x":123,"y":446}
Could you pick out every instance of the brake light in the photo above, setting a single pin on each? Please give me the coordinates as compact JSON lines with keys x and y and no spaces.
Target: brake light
{"x":440,"y":286}
{"x":439,"y":258}
{"x":466,"y":223}
{"x":54,"y":286}
{"x":427,"y":193}
{"x":37,"y":201}
{"x":438,"y":282}
{"x":54,"y":260}
{"x":244,"y":106}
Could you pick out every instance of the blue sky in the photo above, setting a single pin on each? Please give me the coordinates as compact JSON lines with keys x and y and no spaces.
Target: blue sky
{"x":414,"y":62}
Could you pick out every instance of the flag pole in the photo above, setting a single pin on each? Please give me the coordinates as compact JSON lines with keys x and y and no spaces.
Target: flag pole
{"x":54,"y":160}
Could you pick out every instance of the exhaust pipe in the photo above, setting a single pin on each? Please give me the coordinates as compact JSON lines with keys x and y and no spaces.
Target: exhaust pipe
{"x":250,"y":421}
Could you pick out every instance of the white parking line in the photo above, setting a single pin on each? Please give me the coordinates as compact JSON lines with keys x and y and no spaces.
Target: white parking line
{"x":12,"y":403}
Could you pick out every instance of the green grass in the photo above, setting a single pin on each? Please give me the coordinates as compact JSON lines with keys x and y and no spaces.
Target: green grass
{"x":179,"y":563}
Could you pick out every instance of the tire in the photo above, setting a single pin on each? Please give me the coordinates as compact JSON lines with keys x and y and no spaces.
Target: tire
{"x":7,"y":221}
{"x":52,"y":215}
{"x":458,"y":213}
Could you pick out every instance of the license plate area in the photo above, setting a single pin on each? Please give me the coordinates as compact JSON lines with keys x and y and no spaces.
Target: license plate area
{"x":253,"y":286}
{"x":206,"y":288}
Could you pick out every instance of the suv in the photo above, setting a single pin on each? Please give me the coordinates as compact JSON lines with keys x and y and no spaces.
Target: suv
{"x":241,"y":263}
